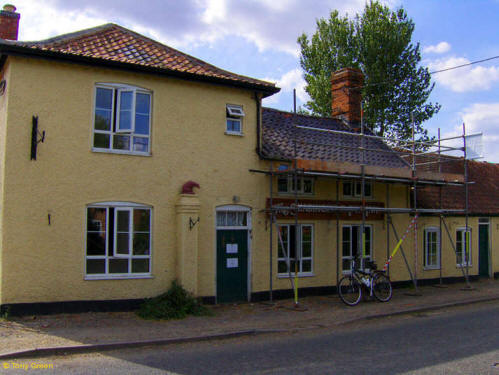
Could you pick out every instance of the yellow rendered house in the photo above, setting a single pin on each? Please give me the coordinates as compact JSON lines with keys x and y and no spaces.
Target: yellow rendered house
{"x":126,"y":164}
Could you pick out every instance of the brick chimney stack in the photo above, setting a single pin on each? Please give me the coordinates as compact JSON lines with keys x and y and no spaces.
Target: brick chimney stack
{"x":9,"y":22}
{"x":346,"y":93}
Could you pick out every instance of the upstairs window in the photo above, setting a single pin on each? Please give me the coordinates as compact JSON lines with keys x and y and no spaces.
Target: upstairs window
{"x":305,"y":185}
{"x":353,"y":189}
{"x":234,"y":124}
{"x":122,"y":119}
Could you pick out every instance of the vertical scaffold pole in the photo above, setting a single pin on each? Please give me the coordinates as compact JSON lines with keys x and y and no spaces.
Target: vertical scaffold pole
{"x":295,"y":177}
{"x":362,"y":187}
{"x":466,"y":207}
{"x":271,"y":230}
{"x":414,"y":194}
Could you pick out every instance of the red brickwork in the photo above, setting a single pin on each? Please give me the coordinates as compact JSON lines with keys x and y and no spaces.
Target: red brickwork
{"x":346,"y":93}
{"x":9,"y":24}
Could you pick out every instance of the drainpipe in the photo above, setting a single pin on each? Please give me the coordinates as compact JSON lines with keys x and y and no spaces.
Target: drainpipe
{"x":258,"y":123}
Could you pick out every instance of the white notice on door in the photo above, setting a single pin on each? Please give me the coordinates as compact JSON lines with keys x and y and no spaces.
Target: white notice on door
{"x":232,"y":263}
{"x":231,"y":248}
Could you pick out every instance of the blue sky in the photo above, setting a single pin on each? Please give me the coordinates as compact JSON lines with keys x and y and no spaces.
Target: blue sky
{"x":258,"y":38}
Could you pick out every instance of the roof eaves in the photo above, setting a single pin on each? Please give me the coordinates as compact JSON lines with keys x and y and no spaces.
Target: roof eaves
{"x":8,"y":48}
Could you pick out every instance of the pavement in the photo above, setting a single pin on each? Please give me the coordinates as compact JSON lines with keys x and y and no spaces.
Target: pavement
{"x":46,"y":335}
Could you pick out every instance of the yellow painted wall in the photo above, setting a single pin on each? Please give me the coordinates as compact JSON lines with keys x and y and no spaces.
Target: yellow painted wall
{"x":3,"y":121}
{"x":46,"y":263}
{"x":494,"y":243}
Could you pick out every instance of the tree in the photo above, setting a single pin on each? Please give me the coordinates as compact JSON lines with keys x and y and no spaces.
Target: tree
{"x":378,"y":42}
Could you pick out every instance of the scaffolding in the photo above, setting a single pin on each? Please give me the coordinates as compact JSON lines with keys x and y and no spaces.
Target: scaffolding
{"x":425,"y":160}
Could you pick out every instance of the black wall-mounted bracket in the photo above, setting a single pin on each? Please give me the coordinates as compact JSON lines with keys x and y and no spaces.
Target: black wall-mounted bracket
{"x":192,"y":223}
{"x":36,"y":137}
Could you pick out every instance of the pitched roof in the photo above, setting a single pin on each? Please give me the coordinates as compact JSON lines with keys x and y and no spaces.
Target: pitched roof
{"x":279,"y":133}
{"x":112,"y":43}
{"x":483,"y":193}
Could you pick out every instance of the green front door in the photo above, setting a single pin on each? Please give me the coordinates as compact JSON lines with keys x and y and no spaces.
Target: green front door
{"x":483,"y":250}
{"x":232,"y":265}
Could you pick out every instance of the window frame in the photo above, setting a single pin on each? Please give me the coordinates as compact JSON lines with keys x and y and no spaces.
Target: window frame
{"x":234,"y":112}
{"x":427,"y":231}
{"x":118,"y":206}
{"x":115,"y":130}
{"x":351,"y":257}
{"x":301,"y":258}
{"x":353,"y":188}
{"x":301,"y":183}
{"x":463,"y":241}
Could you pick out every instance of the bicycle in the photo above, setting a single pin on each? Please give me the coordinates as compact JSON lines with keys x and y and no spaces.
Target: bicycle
{"x":375,"y":281}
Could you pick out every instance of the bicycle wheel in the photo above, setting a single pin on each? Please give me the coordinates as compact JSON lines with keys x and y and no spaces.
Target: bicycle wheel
{"x":350,"y":290}
{"x":382,"y":288}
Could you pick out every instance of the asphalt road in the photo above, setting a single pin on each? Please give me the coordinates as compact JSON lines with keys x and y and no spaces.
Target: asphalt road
{"x":454,"y":341}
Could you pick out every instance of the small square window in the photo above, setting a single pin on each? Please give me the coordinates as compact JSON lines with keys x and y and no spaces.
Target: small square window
{"x":234,"y":120}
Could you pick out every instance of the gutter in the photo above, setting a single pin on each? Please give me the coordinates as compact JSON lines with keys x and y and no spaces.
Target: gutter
{"x":15,"y":50}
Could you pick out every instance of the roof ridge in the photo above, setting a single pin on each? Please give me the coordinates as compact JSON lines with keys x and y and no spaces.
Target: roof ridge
{"x":302,"y":114}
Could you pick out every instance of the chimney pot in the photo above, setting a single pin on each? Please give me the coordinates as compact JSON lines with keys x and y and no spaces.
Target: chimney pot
{"x":9,"y":8}
{"x":9,"y":22}
{"x":346,"y":93}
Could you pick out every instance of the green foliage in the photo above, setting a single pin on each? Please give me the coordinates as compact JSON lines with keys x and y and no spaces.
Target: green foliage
{"x":378,"y":42}
{"x":5,"y":313}
{"x":176,"y":303}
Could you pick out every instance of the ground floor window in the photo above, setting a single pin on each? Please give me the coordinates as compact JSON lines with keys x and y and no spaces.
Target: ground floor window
{"x":295,"y":242}
{"x":432,"y":248}
{"x":463,"y":252}
{"x":352,"y":244}
{"x":118,"y":241}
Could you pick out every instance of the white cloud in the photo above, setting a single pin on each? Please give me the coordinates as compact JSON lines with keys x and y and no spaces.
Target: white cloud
{"x":268,"y":24}
{"x":469,"y":78}
{"x":289,"y":81}
{"x":479,"y":118}
{"x":441,"y":47}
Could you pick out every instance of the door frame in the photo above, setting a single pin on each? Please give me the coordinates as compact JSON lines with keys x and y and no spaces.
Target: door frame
{"x":485,"y":221}
{"x":248,"y":228}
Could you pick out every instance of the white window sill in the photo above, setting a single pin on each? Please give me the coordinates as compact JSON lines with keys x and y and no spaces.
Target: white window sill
{"x":118,"y":277}
{"x":431,"y":268}
{"x":121,"y":152}
{"x":293,"y":194}
{"x":286,"y":275}
{"x":350,"y":198}
{"x":464,"y":265}
{"x":240,"y":134}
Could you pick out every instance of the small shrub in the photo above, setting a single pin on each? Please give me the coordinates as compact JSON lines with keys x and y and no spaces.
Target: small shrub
{"x":176,"y":303}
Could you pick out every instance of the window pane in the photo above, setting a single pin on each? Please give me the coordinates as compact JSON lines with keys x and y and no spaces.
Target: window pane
{"x":306,"y":233}
{"x":141,"y":124}
{"x":140,"y":144}
{"x":231,"y":218}
{"x":125,"y":120}
{"x":123,"y":221}
{"x":233,"y":125}
{"x":96,"y":219}
{"x":142,"y":104}
{"x":367,"y":189}
{"x":126,"y":98}
{"x":358,"y":188}
{"x":121,"y":142}
{"x":101,"y":140}
{"x":96,"y":266}
{"x":306,"y":266}
{"x":282,"y":185}
{"x":96,"y":243}
{"x":102,"y":119}
{"x":123,"y":243}
{"x":347,"y":188}
{"x":140,"y":265}
{"x":104,"y":98}
{"x":118,"y":265}
{"x":307,"y":249}
{"x":281,"y":267}
{"x":221,"y":218}
{"x":141,"y":220}
{"x":141,"y":244}
{"x":307,"y":185}
{"x":346,"y":264}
